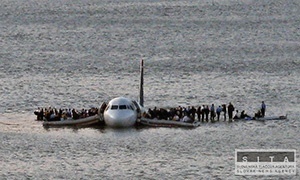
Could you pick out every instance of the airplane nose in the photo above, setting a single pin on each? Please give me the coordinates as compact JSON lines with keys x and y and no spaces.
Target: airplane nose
{"x":119,"y":119}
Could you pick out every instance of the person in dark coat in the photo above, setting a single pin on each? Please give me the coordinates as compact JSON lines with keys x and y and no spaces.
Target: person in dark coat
{"x":202,"y":112}
{"x":199,"y":113}
{"x":212,"y":113}
{"x":224,"y":110}
{"x":163,"y":114}
{"x":263,"y":109}
{"x":230,"y":111}
{"x":206,"y":111}
{"x":193,"y":112}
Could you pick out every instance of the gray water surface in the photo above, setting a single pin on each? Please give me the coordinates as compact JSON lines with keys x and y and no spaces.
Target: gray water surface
{"x":73,"y":54}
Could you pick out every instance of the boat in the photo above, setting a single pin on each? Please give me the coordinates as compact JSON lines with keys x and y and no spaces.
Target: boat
{"x":88,"y":121}
{"x":167,"y":123}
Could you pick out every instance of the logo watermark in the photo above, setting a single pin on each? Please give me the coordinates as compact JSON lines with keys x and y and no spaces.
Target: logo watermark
{"x":265,"y":162}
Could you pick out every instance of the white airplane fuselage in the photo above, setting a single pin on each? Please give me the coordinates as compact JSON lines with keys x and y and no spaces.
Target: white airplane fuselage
{"x":124,"y":112}
{"x":121,"y":112}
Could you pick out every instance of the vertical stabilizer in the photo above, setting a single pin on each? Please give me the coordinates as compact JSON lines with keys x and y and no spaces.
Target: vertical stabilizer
{"x":142,"y":83}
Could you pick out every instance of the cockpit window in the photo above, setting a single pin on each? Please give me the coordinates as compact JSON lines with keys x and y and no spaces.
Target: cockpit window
{"x":114,"y":107}
{"x":122,"y":107}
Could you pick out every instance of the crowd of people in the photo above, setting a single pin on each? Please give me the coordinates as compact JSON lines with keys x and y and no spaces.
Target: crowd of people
{"x":204,"y":113}
{"x":53,"y":114}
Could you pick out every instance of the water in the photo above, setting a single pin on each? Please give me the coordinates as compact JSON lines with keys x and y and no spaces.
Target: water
{"x":79,"y":54}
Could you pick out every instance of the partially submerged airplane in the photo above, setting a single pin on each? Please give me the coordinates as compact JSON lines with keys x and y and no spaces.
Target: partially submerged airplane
{"x":124,"y":112}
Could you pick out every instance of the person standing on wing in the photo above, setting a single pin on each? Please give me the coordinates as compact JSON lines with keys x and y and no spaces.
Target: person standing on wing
{"x":224,"y":110}
{"x":230,"y":111}
{"x":212,"y":113}
{"x":263,"y":108}
{"x":219,"y":110}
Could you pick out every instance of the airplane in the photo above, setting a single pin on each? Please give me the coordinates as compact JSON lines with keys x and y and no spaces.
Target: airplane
{"x":123,"y":112}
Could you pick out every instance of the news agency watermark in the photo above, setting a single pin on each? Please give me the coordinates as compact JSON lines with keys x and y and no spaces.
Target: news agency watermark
{"x":265,"y":162}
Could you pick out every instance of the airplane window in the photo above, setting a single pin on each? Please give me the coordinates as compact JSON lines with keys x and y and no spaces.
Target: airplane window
{"x":122,"y":107}
{"x":114,"y":107}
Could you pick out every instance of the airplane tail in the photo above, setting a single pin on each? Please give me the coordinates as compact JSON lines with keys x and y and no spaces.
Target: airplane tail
{"x":142,"y":83}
